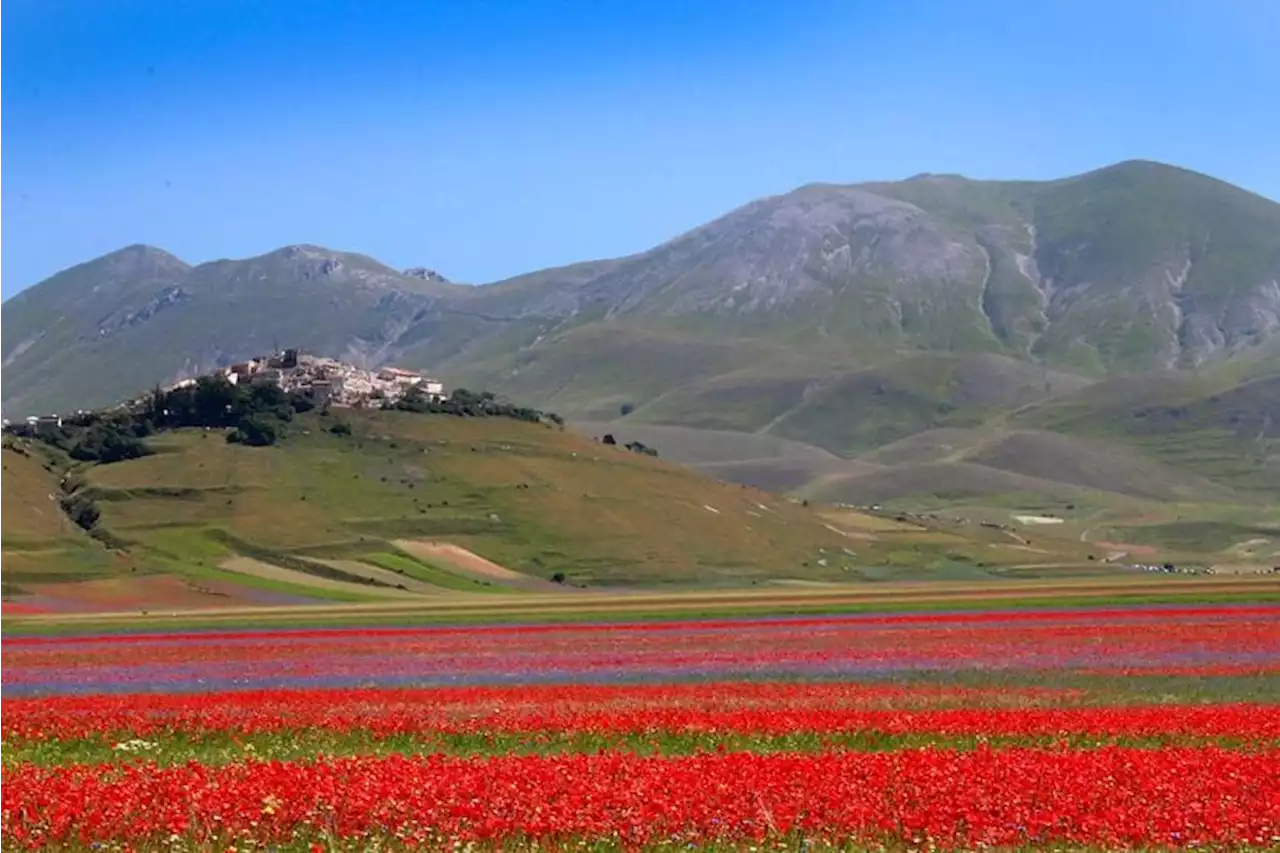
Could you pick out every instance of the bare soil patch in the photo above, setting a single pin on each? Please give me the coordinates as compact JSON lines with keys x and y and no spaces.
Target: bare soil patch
{"x":1038,"y":519}
{"x":459,"y":559}
{"x":850,"y":519}
{"x":853,"y":534}
{"x":381,"y":575}
{"x":267,"y":571}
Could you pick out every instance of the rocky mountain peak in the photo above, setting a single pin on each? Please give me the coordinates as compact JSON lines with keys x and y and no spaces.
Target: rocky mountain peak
{"x":426,"y":274}
{"x":135,"y":260}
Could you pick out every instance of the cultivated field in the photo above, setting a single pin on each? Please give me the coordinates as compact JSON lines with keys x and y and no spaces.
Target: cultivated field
{"x":972,"y":726}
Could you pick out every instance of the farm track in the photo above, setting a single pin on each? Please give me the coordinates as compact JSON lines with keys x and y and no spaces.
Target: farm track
{"x":463,"y":606}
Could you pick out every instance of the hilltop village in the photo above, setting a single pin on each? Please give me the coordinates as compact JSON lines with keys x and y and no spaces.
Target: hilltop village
{"x":326,"y":381}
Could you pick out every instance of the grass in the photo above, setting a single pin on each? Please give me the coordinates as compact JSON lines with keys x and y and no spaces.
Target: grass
{"x":1199,"y":535}
{"x":30,"y":468}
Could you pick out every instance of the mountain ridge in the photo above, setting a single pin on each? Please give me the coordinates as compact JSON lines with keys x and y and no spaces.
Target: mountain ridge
{"x":849,"y":316}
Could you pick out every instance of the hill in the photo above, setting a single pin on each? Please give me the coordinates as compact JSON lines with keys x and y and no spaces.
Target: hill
{"x":1206,"y":423}
{"x":325,"y":514}
{"x":395,"y":505}
{"x":774,"y":464}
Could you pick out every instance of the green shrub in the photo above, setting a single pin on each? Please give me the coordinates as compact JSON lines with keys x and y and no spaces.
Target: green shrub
{"x":257,"y":430}
{"x":82,"y":510}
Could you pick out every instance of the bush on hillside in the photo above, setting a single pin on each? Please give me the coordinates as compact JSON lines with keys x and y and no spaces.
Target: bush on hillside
{"x":301,"y":402}
{"x":258,"y":430}
{"x":82,"y":510}
{"x":107,"y":441}
{"x":464,"y":403}
{"x":214,"y":402}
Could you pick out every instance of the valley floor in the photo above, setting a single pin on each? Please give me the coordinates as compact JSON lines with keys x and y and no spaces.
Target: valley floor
{"x":944,"y":725}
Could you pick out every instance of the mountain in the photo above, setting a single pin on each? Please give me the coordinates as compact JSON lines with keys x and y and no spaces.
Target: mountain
{"x":1137,"y":266}
{"x":106,"y":329}
{"x":847,"y":317}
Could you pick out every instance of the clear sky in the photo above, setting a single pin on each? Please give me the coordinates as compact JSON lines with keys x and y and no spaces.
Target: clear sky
{"x":487,"y":138}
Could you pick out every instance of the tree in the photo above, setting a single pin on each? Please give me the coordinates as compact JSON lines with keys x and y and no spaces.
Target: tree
{"x":108,"y":441}
{"x":213,"y":401}
{"x":626,"y":409}
{"x":301,"y":402}
{"x":269,"y":399}
{"x":608,"y":439}
{"x":256,"y":430}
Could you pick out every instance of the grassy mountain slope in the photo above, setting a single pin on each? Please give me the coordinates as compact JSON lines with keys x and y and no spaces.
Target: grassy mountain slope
{"x":1066,"y":460}
{"x":1155,"y":266}
{"x":938,"y":483}
{"x":1135,"y":266}
{"x":1200,"y":423}
{"x":866,"y":409}
{"x":1047,"y":286}
{"x":1095,"y":464}
{"x":763,"y":461}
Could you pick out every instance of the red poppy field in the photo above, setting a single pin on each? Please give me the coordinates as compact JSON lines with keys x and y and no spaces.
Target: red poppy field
{"x":1132,"y":728}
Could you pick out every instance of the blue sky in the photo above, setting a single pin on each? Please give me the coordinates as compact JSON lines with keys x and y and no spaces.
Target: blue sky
{"x":489,"y":138}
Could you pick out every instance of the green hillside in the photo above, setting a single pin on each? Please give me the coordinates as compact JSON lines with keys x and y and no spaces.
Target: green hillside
{"x":409,"y":505}
{"x":1204,"y":424}
{"x":38,"y":539}
{"x":529,"y":498}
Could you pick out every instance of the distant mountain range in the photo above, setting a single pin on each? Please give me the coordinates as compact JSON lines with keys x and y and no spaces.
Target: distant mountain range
{"x":845,"y":317}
